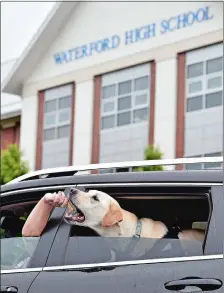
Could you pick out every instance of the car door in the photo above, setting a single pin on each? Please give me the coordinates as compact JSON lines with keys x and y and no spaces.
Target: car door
{"x":82,"y":264}
{"x":20,"y":279}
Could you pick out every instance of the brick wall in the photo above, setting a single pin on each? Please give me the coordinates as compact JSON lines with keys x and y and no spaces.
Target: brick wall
{"x":10,"y":135}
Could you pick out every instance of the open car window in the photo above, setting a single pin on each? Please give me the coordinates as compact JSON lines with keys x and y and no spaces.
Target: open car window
{"x":16,"y":251}
{"x":182,"y":208}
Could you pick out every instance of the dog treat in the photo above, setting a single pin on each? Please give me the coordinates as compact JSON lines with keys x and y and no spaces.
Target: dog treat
{"x":72,"y":209}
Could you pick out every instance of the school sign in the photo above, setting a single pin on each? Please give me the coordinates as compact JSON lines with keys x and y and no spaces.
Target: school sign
{"x":135,"y":35}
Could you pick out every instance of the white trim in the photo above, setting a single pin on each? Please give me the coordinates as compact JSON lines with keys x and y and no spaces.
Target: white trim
{"x":117,"y":264}
{"x":149,"y":197}
{"x":159,"y":184}
{"x":168,"y":184}
{"x":36,"y":189}
{"x":136,"y":262}
{"x":164,"y":162}
{"x":21,"y":270}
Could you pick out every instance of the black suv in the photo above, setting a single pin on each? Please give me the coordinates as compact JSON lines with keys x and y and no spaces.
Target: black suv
{"x":75,"y":259}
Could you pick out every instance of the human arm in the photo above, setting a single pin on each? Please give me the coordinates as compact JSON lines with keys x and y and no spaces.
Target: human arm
{"x":39,"y":216}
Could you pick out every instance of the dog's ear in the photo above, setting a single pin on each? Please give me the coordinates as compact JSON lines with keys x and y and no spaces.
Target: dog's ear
{"x":113,"y":216}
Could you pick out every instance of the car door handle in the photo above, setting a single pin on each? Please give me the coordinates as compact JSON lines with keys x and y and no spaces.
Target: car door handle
{"x":193,"y":285}
{"x":5,"y":289}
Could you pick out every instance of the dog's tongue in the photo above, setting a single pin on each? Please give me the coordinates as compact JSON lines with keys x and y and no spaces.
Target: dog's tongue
{"x":77,"y":217}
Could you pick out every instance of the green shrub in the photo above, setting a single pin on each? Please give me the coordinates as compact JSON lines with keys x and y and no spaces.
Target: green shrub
{"x":151,"y":153}
{"x":12,"y":165}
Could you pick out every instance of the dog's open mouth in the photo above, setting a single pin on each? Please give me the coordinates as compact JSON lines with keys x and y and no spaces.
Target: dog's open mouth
{"x":74,"y":214}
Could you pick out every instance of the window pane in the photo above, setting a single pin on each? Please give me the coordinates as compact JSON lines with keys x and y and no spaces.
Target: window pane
{"x":141,"y":83}
{"x":105,"y":171}
{"x":108,"y":91}
{"x":65,"y":102}
{"x":217,"y":154}
{"x":49,"y":119}
{"x":141,"y":100}
{"x":194,"y":104}
{"x":214,"y":82}
{"x":121,"y":170}
{"x":107,"y":122}
{"x":196,"y":166}
{"x":124,"y":103}
{"x":16,"y":252}
{"x":63,"y":131}
{"x":124,"y":118}
{"x":124,"y":87}
{"x":108,"y":107}
{"x":195,"y":70}
{"x":50,"y":106}
{"x":64,"y":116}
{"x":213,"y":100}
{"x":140,"y":115}
{"x":195,"y":87}
{"x":49,"y":134}
{"x":212,"y":165}
{"x":214,"y":65}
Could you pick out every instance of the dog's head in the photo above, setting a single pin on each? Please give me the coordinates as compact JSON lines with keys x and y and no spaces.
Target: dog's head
{"x":92,"y":208}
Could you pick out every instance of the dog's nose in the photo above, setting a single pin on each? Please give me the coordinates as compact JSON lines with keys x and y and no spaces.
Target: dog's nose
{"x":73,"y":191}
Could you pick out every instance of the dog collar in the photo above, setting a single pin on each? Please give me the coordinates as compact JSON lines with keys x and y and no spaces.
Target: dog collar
{"x":138,"y":229}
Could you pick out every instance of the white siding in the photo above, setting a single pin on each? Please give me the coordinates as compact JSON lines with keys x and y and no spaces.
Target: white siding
{"x":165,"y":107}
{"x":82,"y":145}
{"x":28,"y":132}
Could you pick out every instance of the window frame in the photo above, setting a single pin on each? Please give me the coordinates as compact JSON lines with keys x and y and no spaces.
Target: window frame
{"x":57,"y":124}
{"x":63,"y":233}
{"x":204,"y":78}
{"x":133,"y":94}
{"x":44,"y":156}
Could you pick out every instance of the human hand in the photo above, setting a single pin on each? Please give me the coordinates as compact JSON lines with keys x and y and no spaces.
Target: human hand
{"x":56,"y":199}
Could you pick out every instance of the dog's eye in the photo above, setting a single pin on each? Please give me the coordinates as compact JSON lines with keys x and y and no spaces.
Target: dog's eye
{"x":95,"y":198}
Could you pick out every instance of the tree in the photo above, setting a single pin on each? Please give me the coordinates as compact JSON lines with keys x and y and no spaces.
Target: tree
{"x":151,"y":153}
{"x":12,"y":165}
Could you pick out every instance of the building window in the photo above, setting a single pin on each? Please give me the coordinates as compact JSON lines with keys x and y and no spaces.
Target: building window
{"x":201,"y":166}
{"x":203,"y":117}
{"x":56,"y":126}
{"x":124,"y":114}
{"x":125,"y":100}
{"x":204,"y":82}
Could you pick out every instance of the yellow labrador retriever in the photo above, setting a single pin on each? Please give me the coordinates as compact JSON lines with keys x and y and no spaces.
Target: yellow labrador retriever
{"x":102,"y":213}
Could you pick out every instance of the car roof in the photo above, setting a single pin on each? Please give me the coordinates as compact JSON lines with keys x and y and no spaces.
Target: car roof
{"x":199,"y":176}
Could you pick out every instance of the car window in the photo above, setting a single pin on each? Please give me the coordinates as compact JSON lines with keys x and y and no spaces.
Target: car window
{"x":179,"y":209}
{"x":16,"y":251}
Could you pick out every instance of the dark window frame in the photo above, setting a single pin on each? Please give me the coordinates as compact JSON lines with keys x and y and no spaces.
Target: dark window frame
{"x":40,"y":255}
{"x":64,"y":229}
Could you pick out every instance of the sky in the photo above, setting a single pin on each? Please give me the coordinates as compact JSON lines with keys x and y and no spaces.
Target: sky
{"x":19,"y":22}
